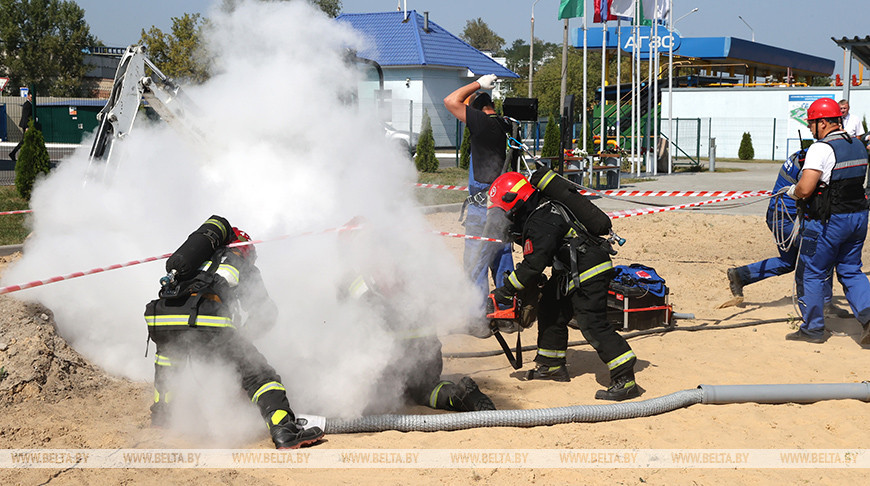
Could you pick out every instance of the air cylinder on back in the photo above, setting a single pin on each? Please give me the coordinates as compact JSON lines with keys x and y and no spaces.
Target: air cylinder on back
{"x":199,"y":247}
{"x":560,"y":189}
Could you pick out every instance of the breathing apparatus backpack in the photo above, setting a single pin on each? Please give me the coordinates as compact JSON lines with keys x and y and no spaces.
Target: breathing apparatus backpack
{"x":186,"y":286}
{"x":592,"y":219}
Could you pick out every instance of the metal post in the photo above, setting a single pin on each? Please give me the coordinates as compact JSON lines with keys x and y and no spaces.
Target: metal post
{"x":698,"y":145}
{"x":773,"y":144}
{"x":410,"y":123}
{"x":458,"y":139}
{"x":713,"y":154}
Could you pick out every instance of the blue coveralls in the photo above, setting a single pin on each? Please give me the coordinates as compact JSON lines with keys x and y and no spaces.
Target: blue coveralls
{"x":482,"y":256}
{"x":837,"y":242}
{"x":785,"y":262}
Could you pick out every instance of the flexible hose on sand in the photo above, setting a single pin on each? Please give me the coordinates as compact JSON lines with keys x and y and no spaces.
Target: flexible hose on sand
{"x":799,"y":393}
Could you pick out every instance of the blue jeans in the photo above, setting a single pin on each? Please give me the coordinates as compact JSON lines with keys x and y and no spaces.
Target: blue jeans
{"x":836,"y":244}
{"x":481,"y":257}
{"x":771,"y":267}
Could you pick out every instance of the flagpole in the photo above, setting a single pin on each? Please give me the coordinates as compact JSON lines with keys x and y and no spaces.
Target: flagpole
{"x":603,"y":75}
{"x":633,"y":92}
{"x":585,"y":101}
{"x":618,"y":80}
{"x":671,"y":89}
{"x":564,"y":87}
{"x":655,"y":143}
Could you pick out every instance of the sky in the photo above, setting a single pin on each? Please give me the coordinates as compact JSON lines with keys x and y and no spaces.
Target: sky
{"x":799,"y":25}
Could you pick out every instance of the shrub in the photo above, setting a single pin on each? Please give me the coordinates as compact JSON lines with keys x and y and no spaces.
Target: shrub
{"x":551,"y":136}
{"x":746,"y":152}
{"x":465,"y":149}
{"x":32,"y":161}
{"x":425,"y":159}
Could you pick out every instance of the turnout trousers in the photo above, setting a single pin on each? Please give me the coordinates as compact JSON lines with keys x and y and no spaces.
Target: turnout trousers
{"x":175,"y":346}
{"x":588,"y":305}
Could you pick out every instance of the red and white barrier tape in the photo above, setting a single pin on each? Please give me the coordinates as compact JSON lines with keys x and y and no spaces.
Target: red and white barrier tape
{"x":467,"y":237}
{"x":637,"y":212}
{"x":22,"y":211}
{"x":60,"y":278}
{"x":623,"y":193}
{"x":439,"y":186}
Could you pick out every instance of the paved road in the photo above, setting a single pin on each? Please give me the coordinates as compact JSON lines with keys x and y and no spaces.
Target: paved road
{"x":754,"y":177}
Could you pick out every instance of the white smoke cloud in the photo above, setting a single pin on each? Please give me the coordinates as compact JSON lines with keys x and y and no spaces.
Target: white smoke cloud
{"x":284,"y":156}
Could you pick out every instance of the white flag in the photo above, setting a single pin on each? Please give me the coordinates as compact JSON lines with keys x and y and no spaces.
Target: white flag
{"x":623,"y":9}
{"x":657,"y":9}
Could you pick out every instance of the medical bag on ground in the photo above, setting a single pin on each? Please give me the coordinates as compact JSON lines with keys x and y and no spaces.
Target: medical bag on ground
{"x":638,"y":299}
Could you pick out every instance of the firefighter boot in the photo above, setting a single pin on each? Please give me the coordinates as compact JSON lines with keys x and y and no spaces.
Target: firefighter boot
{"x":865,"y":338}
{"x":544,"y":372}
{"x":474,"y":399}
{"x":287,"y":435}
{"x":622,"y":388}
{"x":735,"y":283}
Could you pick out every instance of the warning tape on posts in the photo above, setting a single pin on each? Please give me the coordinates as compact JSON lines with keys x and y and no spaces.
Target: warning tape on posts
{"x":624,"y":193}
{"x":608,"y":192}
{"x":640,"y":211}
{"x":61,"y":278}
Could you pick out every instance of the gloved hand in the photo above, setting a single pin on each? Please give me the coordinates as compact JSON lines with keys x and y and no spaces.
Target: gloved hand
{"x":503,"y":295}
{"x":487,"y":81}
{"x":790,"y":193}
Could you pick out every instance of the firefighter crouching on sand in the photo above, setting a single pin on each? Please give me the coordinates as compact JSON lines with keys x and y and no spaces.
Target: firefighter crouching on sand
{"x":196,"y":316}
{"x":418,"y":363}
{"x":554,"y":231}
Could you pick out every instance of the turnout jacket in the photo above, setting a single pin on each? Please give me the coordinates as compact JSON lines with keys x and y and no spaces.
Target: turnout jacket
{"x":551,"y":236}
{"x":226,"y":289}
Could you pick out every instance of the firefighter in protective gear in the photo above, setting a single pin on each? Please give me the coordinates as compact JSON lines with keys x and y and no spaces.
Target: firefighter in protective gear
{"x":830,"y":194}
{"x":552,"y":235}
{"x":198,"y":316}
{"x":417,"y":363}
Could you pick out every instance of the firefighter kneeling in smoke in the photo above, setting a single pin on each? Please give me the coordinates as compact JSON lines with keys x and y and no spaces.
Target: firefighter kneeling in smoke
{"x":196,"y":316}
{"x":558,"y":227}
{"x":416,"y":367}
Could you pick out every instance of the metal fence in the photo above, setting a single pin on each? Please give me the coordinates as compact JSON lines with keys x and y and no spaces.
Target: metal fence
{"x":770,"y":137}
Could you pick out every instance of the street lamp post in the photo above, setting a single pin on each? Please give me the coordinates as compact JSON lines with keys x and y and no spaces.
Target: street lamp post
{"x":532,"y":49}
{"x":750,"y":27}
{"x":671,"y":92}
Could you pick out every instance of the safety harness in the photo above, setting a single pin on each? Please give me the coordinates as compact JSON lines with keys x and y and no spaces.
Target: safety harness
{"x":845,"y":191}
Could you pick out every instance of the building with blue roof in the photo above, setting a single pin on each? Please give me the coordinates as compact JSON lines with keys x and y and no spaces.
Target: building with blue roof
{"x":422,"y":63}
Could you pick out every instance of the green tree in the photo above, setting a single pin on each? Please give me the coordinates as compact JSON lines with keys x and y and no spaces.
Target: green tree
{"x":179,"y":54}
{"x":32,"y":161}
{"x":517,"y":55}
{"x":551,"y":136}
{"x":465,"y":149}
{"x":425,"y":159}
{"x":43,"y":44}
{"x":746,"y":152}
{"x":480,"y":36}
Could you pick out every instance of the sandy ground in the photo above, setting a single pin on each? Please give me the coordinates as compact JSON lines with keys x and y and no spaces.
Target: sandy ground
{"x":78,"y":407}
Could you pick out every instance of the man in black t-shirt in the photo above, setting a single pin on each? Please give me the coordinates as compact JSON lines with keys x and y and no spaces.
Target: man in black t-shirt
{"x":488,"y":144}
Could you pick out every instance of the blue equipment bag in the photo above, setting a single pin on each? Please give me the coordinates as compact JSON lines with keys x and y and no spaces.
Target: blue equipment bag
{"x":638,"y":298}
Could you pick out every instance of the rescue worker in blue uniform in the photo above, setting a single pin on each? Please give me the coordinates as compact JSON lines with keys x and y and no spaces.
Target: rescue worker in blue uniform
{"x":569,"y":241}
{"x":488,"y":146}
{"x":782,"y":214}
{"x":830,"y":193}
{"x":197,"y":314}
